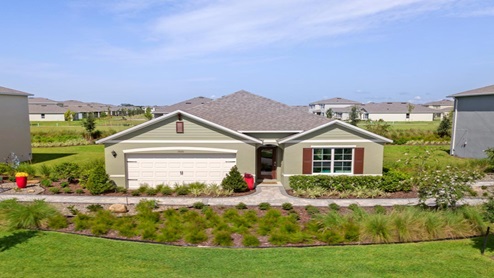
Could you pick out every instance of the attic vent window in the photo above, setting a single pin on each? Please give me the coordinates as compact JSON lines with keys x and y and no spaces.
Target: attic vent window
{"x":188,"y":103}
{"x":179,"y":127}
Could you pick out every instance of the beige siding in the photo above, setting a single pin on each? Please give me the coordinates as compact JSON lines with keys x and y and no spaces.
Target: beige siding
{"x":159,"y":133}
{"x":331,"y":136}
{"x":402,"y":117}
{"x":14,"y":124}
{"x":48,"y":117}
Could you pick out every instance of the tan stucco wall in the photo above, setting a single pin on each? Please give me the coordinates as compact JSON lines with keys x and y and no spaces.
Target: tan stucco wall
{"x":332,"y":136}
{"x":204,"y":136}
{"x":14,"y":124}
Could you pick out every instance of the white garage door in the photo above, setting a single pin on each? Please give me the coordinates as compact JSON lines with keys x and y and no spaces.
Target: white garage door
{"x":171,"y":169}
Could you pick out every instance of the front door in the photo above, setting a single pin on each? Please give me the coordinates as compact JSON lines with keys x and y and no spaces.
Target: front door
{"x":266,"y":162}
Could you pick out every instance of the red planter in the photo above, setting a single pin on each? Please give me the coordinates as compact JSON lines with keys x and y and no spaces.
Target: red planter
{"x":21,"y":182}
{"x":249,"y":179}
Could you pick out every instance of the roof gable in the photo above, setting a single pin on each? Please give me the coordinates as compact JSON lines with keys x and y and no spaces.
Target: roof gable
{"x":165,"y":117}
{"x":183,"y":105}
{"x":376,"y":137}
{"x":335,"y":100}
{"x":12,"y":92}
{"x":488,"y":90}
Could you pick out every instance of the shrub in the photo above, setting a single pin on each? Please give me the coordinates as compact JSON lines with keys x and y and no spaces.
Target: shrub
{"x":488,"y":211}
{"x":378,"y":209}
{"x":334,"y":206}
{"x":198,"y":205}
{"x":311,"y":210}
{"x":65,"y":170}
{"x":250,"y":241}
{"x":67,"y":190}
{"x":73,"y":210}
{"x":82,"y":222}
{"x":121,"y":189}
{"x":55,"y":190}
{"x":223,"y":238}
{"x":151,"y":191}
{"x":143,"y":188}
{"x":46,"y":183}
{"x":166,"y":190}
{"x":287,"y":206}
{"x":241,"y":206}
{"x":94,"y":207}
{"x":98,"y":181}
{"x":182,"y":190}
{"x":58,"y":221}
{"x":79,"y":191}
{"x":377,"y":228}
{"x":26,"y":215}
{"x":195,"y":236}
{"x":27,"y":168}
{"x":264,"y":206}
{"x":64,"y":184}
{"x":234,"y":181}
{"x":136,"y":193}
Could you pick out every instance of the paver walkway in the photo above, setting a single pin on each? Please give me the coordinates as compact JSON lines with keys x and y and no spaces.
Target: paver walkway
{"x":273,"y":194}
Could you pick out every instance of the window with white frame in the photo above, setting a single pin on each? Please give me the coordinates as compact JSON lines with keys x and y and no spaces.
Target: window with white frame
{"x":332,"y":160}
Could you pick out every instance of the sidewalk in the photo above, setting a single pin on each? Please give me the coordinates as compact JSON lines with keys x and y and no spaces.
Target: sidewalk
{"x":273,"y":194}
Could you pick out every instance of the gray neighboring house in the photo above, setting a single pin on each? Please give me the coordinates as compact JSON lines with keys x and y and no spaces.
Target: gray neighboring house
{"x":183,"y":105}
{"x":341,"y":105}
{"x":14,"y":123}
{"x":261,"y":136}
{"x":473,"y":122}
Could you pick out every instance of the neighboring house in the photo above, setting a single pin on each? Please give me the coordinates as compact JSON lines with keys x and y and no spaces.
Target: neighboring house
{"x":183,"y":105}
{"x":443,"y":107}
{"x":337,"y":103}
{"x":46,"y":112}
{"x":303,"y":108}
{"x":15,"y":135}
{"x":473,"y":122}
{"x":397,"y":111}
{"x":262,"y":137}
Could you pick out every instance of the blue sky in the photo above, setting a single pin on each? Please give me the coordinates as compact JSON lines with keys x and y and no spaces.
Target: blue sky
{"x":153,"y":52}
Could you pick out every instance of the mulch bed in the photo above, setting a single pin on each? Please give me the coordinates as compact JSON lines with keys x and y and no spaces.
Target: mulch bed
{"x":394,"y":195}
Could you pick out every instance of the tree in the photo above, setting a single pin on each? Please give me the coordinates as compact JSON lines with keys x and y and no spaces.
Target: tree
{"x":148,"y":114}
{"x":444,"y":128}
{"x":89,"y":124}
{"x":68,"y":116}
{"x":329,"y":113}
{"x":378,"y":127}
{"x":234,"y":181}
{"x":354,"y":116}
{"x":410,"y":108}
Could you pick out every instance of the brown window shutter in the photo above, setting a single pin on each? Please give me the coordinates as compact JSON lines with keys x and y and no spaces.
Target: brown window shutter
{"x":307,"y":161}
{"x":358,"y":167}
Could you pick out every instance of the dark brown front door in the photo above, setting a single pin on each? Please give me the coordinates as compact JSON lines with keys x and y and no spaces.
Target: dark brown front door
{"x":266,"y":162}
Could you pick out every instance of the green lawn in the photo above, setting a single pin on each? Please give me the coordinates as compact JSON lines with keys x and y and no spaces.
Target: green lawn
{"x":77,"y":154}
{"x":115,"y":123}
{"x":51,"y":254}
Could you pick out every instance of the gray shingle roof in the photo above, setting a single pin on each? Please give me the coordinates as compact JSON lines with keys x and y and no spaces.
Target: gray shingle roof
{"x":488,"y":90}
{"x":41,"y":100}
{"x":396,"y":107}
{"x":336,"y":100}
{"x":183,"y":105}
{"x":46,"y":109}
{"x":444,"y":102}
{"x":12,"y":92}
{"x":248,"y":112}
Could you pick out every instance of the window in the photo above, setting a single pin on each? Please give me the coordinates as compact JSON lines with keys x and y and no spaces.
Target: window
{"x":332,"y":160}
{"x":407,"y":116}
{"x":42,"y":116}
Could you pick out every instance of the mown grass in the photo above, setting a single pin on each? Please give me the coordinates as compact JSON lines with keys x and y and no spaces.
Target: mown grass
{"x":432,"y":126}
{"x":51,"y":254}
{"x":103,"y":124}
{"x":77,"y":154}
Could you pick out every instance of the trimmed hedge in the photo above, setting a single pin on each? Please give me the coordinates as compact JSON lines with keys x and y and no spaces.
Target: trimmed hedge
{"x":390,"y":182}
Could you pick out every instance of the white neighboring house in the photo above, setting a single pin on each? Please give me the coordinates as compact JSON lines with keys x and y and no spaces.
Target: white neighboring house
{"x":443,"y":107}
{"x":398,"y":111}
{"x":14,"y":124}
{"x":46,"y":112}
{"x":341,"y":107}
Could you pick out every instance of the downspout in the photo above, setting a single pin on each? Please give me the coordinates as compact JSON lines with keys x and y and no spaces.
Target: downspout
{"x":453,"y":140}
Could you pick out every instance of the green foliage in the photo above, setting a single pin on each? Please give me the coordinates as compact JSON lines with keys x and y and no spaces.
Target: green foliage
{"x":488,"y":210}
{"x":378,"y":209}
{"x":329,"y":113}
{"x":312,"y":210}
{"x":58,"y":221}
{"x":241,"y":206}
{"x":354,"y":116}
{"x":444,"y":129}
{"x":46,"y":183}
{"x":64,"y":184}
{"x":182,"y":189}
{"x":121,"y":189}
{"x":198,"y":205}
{"x":94,"y":207}
{"x":195,"y":236}
{"x":65,"y":170}
{"x":264,"y":206}
{"x":490,"y":157}
{"x":89,"y":123}
{"x":98,"y":181}
{"x":151,"y":191}
{"x":334,"y":206}
{"x":166,"y":190}
{"x":223,"y":238}
{"x":55,"y":190}
{"x":147,"y":114}
{"x":249,"y":240}
{"x":234,"y":181}
{"x":67,"y":190}
{"x":79,"y":191}
{"x":26,"y":215}
{"x":27,"y":168}
{"x":68,"y":116}
{"x":377,"y":227}
{"x":287,"y":206}
{"x":6,"y":169}
{"x":143,"y":188}
{"x":378,"y":127}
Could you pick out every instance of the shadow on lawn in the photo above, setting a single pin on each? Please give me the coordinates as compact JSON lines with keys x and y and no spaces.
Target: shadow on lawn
{"x":478,"y":243}
{"x":18,"y":237}
{"x":42,"y":157}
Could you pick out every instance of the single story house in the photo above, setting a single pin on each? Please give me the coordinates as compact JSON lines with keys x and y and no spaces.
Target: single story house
{"x":42,"y":112}
{"x":443,"y":107}
{"x":265,"y":138}
{"x":397,"y":111}
{"x":322,"y":106}
{"x":473,"y":122}
{"x":14,"y":124}
{"x":183,"y":105}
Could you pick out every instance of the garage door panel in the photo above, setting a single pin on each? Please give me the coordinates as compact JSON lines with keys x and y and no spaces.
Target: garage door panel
{"x":173,"y":169}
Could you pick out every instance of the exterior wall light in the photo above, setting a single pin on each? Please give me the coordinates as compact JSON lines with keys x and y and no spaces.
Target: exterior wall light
{"x":114,"y":153}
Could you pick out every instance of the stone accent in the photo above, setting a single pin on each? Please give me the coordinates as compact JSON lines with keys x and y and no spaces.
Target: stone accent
{"x":118,"y":208}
